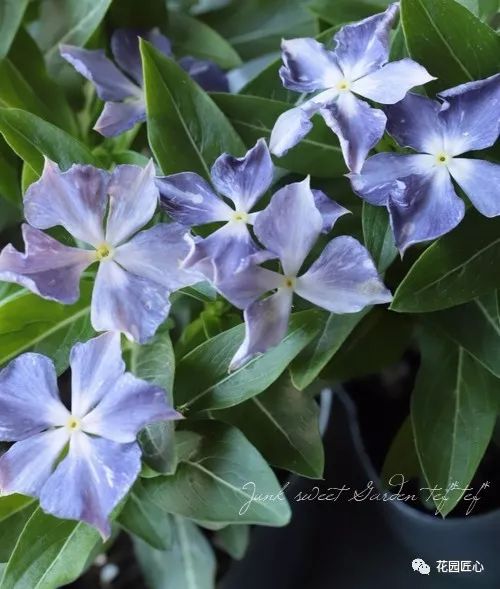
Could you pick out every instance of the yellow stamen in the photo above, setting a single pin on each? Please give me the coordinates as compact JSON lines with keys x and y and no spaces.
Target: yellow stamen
{"x":289,"y":282}
{"x":104,"y":252}
{"x":240,"y":216}
{"x":344,"y":85}
{"x":73,"y":424}
{"x":442,"y":159}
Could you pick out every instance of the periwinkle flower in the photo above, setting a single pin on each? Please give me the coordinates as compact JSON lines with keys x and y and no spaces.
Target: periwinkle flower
{"x":103,"y":211}
{"x":356,"y":67}
{"x":417,"y":188}
{"x":342,"y":280}
{"x":108,"y":408}
{"x":121,"y":87}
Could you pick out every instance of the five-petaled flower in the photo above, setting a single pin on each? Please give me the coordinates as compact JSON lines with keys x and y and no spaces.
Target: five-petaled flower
{"x":357,"y":66}
{"x":121,"y":87}
{"x":103,"y":211}
{"x":417,"y":188}
{"x":342,"y":280}
{"x":81,"y":462}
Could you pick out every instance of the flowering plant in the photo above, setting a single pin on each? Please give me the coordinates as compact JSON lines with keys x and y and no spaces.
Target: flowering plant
{"x":200,"y":233}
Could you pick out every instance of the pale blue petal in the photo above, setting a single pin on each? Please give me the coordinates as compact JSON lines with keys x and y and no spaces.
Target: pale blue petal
{"x":118,"y":117}
{"x":249,"y":284}
{"x":329,"y":209}
{"x":206,"y":73}
{"x":480,"y":180}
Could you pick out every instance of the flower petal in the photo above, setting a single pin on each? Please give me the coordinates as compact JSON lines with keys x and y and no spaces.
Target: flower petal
{"x":266,"y":323}
{"x":329,"y":209}
{"x":27,"y":465}
{"x":128,"y":406}
{"x":91,"y":480}
{"x":378,"y":174}
{"x":363,"y":47}
{"x":343,"y":279}
{"x":391,"y":82}
{"x":124,"y":302}
{"x":358,"y":126}
{"x":189,"y":199}
{"x":47,"y":268}
{"x":109,"y":82}
{"x":157,"y":254}
{"x":308,"y":66}
{"x":290,"y":225}
{"x":414,"y":122}
{"x":246,"y":286}
{"x":206,"y":73}
{"x":244,"y":179}
{"x":75,"y":199}
{"x":480,"y":180}
{"x":471,"y":113}
{"x":426,"y":208}
{"x":133,"y":197}
{"x":95,"y":367}
{"x":118,"y":117}
{"x":29,"y":399}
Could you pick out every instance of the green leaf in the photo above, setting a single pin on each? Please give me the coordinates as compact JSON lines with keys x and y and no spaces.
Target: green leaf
{"x":455,"y":269}
{"x":155,"y":362}
{"x":456,"y":47}
{"x":30,"y":323}
{"x":33,"y":138}
{"x":186,"y":130}
{"x":345,"y":11}
{"x":378,"y":236}
{"x":203,"y":381}
{"x":9,"y":175}
{"x":124,"y":14}
{"x":314,"y":357}
{"x":50,"y":553}
{"x":217,"y":482}
{"x":11,"y":15}
{"x":453,"y":412}
{"x":15,"y":510}
{"x":193,"y":37}
{"x":282,"y":423}
{"x":402,"y":459}
{"x":189,"y":564}
{"x":318,"y":154}
{"x":234,"y":540}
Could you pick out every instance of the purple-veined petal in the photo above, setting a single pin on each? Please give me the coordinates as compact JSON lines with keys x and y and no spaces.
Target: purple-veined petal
{"x":308,"y":66}
{"x":157,"y":254}
{"x":128,"y":406}
{"x":471,"y":114}
{"x":27,"y":465}
{"x":290,"y":225}
{"x":29,"y":399}
{"x":95,"y":367}
{"x":244,"y":179}
{"x":363,"y":46}
{"x":206,"y":73}
{"x":190,"y":200}
{"x":414,"y":122}
{"x":75,"y":199}
{"x":246,"y":286}
{"x":480,"y":180}
{"x":343,"y":279}
{"x":266,"y":323}
{"x":378,"y":174}
{"x":91,"y":480}
{"x":425,"y":208}
{"x":124,"y":302}
{"x":329,"y":209}
{"x":133,"y":197}
{"x":358,"y":126}
{"x":391,"y":82}
{"x":109,"y":82}
{"x":118,"y":117}
{"x":47,"y":268}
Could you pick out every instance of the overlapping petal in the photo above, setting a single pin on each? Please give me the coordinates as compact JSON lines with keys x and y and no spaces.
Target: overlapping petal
{"x":329,"y":209}
{"x":205,"y":73}
{"x":118,"y":117}
{"x":480,"y":180}
{"x":246,"y":286}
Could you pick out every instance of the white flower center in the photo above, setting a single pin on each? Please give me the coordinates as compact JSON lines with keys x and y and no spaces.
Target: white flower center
{"x":104,"y":252}
{"x":289,"y":282}
{"x":343,"y":85}
{"x":73,"y":424}
{"x":240,"y":217}
{"x":442,"y":158}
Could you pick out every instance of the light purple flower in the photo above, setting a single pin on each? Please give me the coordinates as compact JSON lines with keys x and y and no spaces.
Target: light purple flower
{"x":103,"y":211}
{"x":342,"y":280}
{"x":356,"y":67}
{"x":417,"y":188}
{"x":121,"y":87}
{"x":108,"y":408}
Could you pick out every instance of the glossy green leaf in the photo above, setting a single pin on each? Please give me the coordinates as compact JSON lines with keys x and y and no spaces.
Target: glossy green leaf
{"x":456,"y":47}
{"x":186,"y":130}
{"x":378,"y":236}
{"x":216,"y":482}
{"x":11,"y":15}
{"x":15,"y":510}
{"x":457,"y":268}
{"x":203,"y":381}
{"x":234,"y":540}
{"x":318,"y":154}
{"x":338,"y":12}
{"x":50,"y":553}
{"x":9,"y":175}
{"x":282,"y":423}
{"x":125,"y":14}
{"x":453,"y":411}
